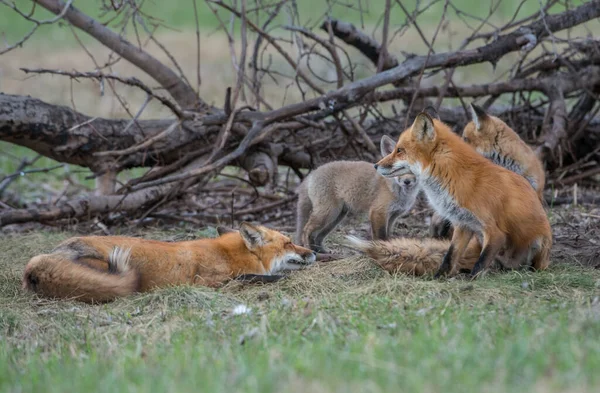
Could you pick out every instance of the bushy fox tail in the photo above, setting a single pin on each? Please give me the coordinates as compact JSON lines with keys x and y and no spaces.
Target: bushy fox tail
{"x":58,"y":275}
{"x":413,"y":256}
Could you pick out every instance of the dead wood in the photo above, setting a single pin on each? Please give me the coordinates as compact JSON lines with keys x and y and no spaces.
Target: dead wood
{"x":342,"y":120}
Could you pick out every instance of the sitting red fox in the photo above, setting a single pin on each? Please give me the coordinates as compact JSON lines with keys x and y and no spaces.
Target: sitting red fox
{"x":103,"y":268}
{"x":495,"y":140}
{"x":334,"y":189}
{"x":476,"y":195}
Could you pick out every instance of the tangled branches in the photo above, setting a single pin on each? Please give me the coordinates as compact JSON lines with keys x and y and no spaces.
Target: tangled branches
{"x":545,"y":84}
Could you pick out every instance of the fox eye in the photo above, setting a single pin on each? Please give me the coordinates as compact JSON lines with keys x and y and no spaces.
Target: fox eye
{"x":400,"y":150}
{"x":466,"y":139}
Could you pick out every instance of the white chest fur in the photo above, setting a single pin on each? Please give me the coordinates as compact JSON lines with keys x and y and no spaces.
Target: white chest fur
{"x":446,"y":206}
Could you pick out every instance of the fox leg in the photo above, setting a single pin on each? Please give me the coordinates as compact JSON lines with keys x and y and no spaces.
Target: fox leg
{"x":379,"y":224}
{"x":331,"y":226}
{"x":493,"y":241}
{"x":320,"y":220}
{"x":460,"y":240}
{"x":304,"y":210}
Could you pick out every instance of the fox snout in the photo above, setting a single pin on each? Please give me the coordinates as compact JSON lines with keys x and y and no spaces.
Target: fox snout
{"x":309,"y":256}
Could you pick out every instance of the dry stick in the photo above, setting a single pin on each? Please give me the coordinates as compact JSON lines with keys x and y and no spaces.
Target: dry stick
{"x":304,"y":77}
{"x":450,"y":73}
{"x":231,"y":104}
{"x":332,"y":50}
{"x":182,"y":93}
{"x":144,"y":145}
{"x":5,"y":182}
{"x":558,"y":131}
{"x":131,"y":81}
{"x":429,"y":52}
{"x":572,"y":179}
{"x":568,"y":83}
{"x":361,"y":41}
{"x":138,"y":114}
{"x":334,"y":56}
{"x":198,"y":77}
{"x":36,"y":25}
{"x":110,"y":82}
{"x":271,"y":41}
{"x":254,"y":62}
{"x":383,"y":53}
{"x":244,"y":144}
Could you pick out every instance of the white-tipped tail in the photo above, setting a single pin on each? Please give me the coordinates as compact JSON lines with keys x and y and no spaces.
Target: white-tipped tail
{"x":355,"y":243}
{"x":118,"y":260}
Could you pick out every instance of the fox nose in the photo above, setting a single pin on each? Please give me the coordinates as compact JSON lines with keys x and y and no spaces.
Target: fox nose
{"x":407,"y":181}
{"x":376,"y":166}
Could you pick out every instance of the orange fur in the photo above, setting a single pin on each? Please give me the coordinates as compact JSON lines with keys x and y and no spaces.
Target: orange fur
{"x":102,"y":268}
{"x":476,"y":195}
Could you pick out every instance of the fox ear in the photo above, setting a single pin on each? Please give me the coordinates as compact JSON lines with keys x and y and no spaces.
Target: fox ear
{"x":431,"y":111}
{"x":478,"y":115}
{"x":423,"y":128}
{"x":253,"y":236}
{"x":387,"y":145}
{"x":221,"y":230}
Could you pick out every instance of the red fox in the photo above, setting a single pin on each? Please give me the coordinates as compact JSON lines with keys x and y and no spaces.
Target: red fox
{"x":495,"y":140}
{"x":476,"y":195}
{"x":334,"y":189}
{"x":413,"y":256}
{"x":103,"y":268}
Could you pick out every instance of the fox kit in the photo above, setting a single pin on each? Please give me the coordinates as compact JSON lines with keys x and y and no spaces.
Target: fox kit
{"x":413,"y":256}
{"x":476,"y":195}
{"x":495,"y":140}
{"x":103,"y":268}
{"x":334,"y":189}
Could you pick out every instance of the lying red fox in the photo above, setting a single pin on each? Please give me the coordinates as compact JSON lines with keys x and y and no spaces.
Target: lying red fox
{"x":103,"y":268}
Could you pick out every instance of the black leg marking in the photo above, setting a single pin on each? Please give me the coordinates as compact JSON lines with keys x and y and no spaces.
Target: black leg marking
{"x":446,"y":263}
{"x":478,"y":268}
{"x":445,"y":229}
{"x":382,"y":233}
{"x":259,"y":278}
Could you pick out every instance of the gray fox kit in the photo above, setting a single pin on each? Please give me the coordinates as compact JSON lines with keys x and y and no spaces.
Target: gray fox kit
{"x":339,"y":187}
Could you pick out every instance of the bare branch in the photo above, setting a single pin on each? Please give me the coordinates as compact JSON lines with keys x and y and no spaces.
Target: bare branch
{"x":131,"y":81}
{"x":180,"y":91}
{"x":36,"y":25}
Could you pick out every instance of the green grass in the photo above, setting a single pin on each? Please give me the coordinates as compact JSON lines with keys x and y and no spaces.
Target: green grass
{"x":342,"y":326}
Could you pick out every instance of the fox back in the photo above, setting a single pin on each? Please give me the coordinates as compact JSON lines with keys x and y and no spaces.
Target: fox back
{"x":358,"y":185}
{"x":495,"y":140}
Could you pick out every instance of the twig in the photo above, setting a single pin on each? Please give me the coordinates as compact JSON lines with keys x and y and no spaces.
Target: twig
{"x":429,"y":52}
{"x":144,"y":145}
{"x":131,"y":81}
{"x":36,"y":25}
{"x":181,"y":92}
